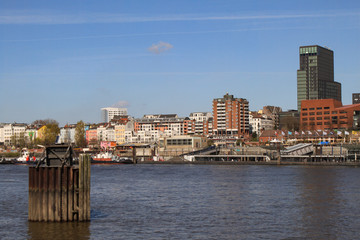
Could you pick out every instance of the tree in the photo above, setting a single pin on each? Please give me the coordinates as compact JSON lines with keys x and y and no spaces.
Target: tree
{"x":45,"y":122}
{"x":18,"y":140}
{"x":210,"y":142}
{"x":254,"y":137}
{"x":50,"y":131}
{"x":290,"y":123}
{"x":80,"y":139}
{"x":49,"y":134}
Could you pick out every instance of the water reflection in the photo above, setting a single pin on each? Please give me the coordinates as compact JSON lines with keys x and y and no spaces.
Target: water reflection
{"x":65,"y":230}
{"x":320,"y":202}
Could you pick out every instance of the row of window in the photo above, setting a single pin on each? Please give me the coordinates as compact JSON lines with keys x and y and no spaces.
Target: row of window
{"x":320,"y":123}
{"x":311,"y":109}
{"x":320,"y":118}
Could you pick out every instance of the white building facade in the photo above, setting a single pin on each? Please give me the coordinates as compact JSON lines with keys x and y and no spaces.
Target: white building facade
{"x":259,"y":123}
{"x":108,"y":113}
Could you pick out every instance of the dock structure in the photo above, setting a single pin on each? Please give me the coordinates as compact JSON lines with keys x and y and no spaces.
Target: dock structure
{"x":59,"y":191}
{"x":231,"y":158}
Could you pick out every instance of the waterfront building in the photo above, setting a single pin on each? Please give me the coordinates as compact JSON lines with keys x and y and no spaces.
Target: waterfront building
{"x":151,"y":128}
{"x":2,"y":133}
{"x":12,"y":132}
{"x":328,"y":114}
{"x":183,"y":142}
{"x":31,"y":132}
{"x":160,"y":116}
{"x":67,"y":134}
{"x":355,"y":98}
{"x":259,"y":122}
{"x":91,"y":135}
{"x":120,"y":133}
{"x":107,"y":114}
{"x":201,"y":122}
{"x":105,"y":132}
{"x":315,"y":76}
{"x":307,"y":136}
{"x":231,"y":117}
{"x":273,"y":113}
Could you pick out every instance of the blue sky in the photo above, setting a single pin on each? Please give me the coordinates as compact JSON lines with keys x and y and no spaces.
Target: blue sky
{"x":67,"y":59}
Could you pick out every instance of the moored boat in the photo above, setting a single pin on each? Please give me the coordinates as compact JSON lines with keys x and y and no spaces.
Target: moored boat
{"x":25,"y":158}
{"x":109,"y":158}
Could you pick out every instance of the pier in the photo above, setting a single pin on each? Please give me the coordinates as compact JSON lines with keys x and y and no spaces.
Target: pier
{"x":59,"y":191}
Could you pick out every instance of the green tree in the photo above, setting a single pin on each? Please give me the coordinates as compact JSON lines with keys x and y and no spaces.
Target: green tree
{"x":52,"y":130}
{"x":254,"y":136}
{"x":210,"y":143}
{"x":80,"y":139}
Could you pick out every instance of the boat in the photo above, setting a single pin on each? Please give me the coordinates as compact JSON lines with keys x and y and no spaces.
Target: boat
{"x":25,"y":158}
{"x":109,"y":158}
{"x":7,"y":160}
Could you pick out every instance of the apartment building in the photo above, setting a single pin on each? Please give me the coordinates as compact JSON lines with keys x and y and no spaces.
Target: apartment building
{"x":107,"y":114}
{"x":231,"y":116}
{"x":201,"y":122}
{"x":67,"y":134}
{"x":8,"y":131}
{"x":259,"y":123}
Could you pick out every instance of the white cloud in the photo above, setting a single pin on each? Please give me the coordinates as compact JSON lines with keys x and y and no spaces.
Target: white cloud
{"x":160,"y":47}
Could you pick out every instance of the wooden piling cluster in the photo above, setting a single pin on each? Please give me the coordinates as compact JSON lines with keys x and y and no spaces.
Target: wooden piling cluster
{"x":60,"y":193}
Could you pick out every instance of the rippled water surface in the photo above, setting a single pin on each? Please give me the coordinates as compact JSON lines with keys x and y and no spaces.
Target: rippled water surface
{"x":198,"y":202}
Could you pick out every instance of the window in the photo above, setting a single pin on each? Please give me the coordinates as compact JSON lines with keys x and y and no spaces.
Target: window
{"x":326,"y":107}
{"x":304,"y":114}
{"x":311,"y":108}
{"x":312,"y":113}
{"x":318,"y":108}
{"x":304,"y":109}
{"x":319,"y":113}
{"x":319,"y":118}
{"x":327,"y":112}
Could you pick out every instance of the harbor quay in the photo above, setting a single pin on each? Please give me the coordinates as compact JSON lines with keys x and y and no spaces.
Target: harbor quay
{"x":299,"y":154}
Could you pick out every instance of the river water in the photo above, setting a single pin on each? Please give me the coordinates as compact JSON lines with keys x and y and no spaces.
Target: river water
{"x":198,"y":202}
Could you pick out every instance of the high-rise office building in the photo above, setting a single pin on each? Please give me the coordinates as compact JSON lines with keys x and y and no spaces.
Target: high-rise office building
{"x":315,"y":78}
{"x":230,"y":116}
{"x":108,"y":113}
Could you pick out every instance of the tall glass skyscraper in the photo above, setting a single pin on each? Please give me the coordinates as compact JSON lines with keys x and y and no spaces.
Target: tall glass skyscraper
{"x":315,"y":78}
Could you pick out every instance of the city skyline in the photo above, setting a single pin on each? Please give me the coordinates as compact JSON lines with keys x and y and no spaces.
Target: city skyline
{"x":66,"y":60}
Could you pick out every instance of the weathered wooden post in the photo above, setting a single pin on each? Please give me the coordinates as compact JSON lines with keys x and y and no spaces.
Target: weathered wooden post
{"x":134,"y":155}
{"x":278,"y":154}
{"x":59,"y":191}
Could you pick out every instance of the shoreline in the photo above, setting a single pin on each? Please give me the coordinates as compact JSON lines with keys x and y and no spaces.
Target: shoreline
{"x":271,"y":163}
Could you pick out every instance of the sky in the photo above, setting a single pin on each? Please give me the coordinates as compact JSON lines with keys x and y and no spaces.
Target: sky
{"x":65,"y":60}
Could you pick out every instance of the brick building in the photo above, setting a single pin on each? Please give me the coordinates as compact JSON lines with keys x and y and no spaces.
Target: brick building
{"x":326,"y":114}
{"x":230,"y":116}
